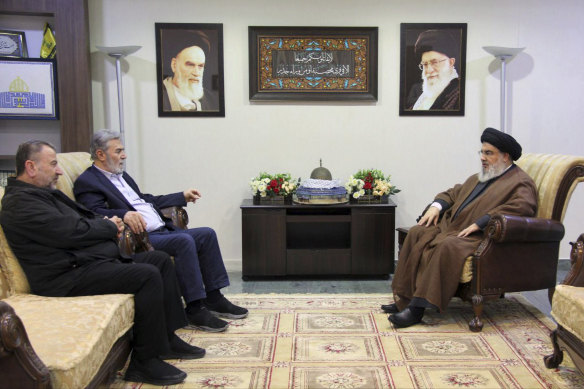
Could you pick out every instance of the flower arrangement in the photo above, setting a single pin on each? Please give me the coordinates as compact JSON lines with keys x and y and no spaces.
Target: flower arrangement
{"x":273,"y":185}
{"x":370,"y":182}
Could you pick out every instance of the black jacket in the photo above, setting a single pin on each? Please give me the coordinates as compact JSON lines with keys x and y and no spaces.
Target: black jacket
{"x":53,"y":237}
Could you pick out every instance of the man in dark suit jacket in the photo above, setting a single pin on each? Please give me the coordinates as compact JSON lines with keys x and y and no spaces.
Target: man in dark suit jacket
{"x":67,"y":250}
{"x":107,"y":189}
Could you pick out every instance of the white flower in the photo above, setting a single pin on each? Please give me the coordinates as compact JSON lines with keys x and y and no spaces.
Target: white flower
{"x":262,"y":188}
{"x":266,"y":180}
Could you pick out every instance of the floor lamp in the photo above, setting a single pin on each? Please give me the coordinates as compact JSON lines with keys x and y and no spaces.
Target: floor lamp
{"x":504,"y":54}
{"x":118,"y":53}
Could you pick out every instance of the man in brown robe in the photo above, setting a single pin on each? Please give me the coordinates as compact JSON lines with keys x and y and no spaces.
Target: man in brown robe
{"x":432,"y":257}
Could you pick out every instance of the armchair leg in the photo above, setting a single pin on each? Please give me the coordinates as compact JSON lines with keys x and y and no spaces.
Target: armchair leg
{"x":476,"y":325}
{"x":553,"y":360}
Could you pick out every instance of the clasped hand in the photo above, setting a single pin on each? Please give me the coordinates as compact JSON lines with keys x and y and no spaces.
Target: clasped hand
{"x":118,"y":222}
{"x":136,"y":222}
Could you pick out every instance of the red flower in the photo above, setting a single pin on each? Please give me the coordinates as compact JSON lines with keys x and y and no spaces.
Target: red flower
{"x":367,"y":185}
{"x":276,"y":190}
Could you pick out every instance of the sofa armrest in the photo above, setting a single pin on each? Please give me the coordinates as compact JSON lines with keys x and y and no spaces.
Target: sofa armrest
{"x":20,"y":366}
{"x":507,"y":228}
{"x":178,"y":215}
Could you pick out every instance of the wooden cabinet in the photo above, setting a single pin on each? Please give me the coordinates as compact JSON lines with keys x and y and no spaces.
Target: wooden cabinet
{"x":299,"y":239}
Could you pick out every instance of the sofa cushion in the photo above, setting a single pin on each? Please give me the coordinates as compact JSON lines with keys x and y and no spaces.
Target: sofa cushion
{"x":11,"y":269}
{"x":548,"y":172}
{"x":12,"y":277}
{"x":72,"y":165}
{"x":568,"y":309}
{"x":73,"y":335}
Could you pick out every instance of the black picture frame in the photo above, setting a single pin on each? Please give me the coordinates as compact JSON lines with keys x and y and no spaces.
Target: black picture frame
{"x":432,"y":37}
{"x":172,"y":38}
{"x":280,"y":58}
{"x":28,"y":89}
{"x":13,"y":44}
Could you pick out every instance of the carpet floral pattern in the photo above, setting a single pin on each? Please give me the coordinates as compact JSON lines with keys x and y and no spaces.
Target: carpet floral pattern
{"x":343,"y":341}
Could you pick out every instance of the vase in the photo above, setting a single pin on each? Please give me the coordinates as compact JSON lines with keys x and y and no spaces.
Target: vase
{"x":272,"y":200}
{"x":369,"y":199}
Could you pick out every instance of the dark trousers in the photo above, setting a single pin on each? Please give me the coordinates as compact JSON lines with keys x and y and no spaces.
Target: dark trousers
{"x":197,"y":259}
{"x":158,"y":306}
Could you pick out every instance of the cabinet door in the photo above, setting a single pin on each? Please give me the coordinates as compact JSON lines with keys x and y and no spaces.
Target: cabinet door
{"x":372,"y":240}
{"x":263,"y":242}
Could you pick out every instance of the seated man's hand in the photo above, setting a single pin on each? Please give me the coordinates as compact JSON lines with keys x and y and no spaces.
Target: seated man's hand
{"x":192,"y":195}
{"x":118,"y":222}
{"x":468,"y":230}
{"x":430,"y":217}
{"x":135,"y":221}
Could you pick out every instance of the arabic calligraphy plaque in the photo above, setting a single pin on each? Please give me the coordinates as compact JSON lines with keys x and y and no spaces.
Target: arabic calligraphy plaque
{"x":313,"y":63}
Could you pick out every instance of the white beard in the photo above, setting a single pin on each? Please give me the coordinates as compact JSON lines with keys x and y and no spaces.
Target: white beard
{"x":433,"y":88}
{"x":494,"y":170}
{"x":191,"y":91}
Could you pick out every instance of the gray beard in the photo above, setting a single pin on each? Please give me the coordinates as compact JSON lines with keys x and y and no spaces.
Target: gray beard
{"x":493,"y":171}
{"x":115,"y":169}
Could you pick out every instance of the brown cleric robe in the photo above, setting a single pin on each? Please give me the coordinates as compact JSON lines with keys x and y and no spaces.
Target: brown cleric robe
{"x":431,"y":259}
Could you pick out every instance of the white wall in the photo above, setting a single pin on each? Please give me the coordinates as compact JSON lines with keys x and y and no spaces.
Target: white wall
{"x":425,"y":155}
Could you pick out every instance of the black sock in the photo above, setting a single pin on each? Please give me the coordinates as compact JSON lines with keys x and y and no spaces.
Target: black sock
{"x":214,"y":295}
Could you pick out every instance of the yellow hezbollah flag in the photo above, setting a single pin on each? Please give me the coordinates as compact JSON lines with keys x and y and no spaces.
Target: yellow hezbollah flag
{"x":49,"y":46}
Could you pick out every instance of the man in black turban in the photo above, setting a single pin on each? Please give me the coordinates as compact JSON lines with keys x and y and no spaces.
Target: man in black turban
{"x":434,"y":251}
{"x":186,"y":53}
{"x":436,"y":52}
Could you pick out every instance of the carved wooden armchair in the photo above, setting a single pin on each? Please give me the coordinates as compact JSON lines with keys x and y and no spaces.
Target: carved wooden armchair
{"x":521,"y":253}
{"x":568,"y":311}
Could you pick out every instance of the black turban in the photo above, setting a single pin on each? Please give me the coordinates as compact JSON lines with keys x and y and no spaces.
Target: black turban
{"x":504,"y":142}
{"x":435,"y":40}
{"x":173,"y":41}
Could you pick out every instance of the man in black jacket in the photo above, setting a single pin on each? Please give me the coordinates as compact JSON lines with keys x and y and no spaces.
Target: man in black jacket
{"x":67,"y":250}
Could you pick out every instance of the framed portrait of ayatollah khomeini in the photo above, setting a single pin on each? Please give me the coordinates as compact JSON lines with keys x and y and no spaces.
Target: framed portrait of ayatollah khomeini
{"x":432,"y":69}
{"x":189,"y":69}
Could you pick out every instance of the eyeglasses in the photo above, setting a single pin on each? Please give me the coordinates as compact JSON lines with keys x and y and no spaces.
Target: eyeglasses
{"x":434,"y":63}
{"x":486,"y":153}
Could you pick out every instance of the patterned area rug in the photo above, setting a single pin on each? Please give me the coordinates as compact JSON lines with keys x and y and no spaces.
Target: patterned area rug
{"x":344,"y":341}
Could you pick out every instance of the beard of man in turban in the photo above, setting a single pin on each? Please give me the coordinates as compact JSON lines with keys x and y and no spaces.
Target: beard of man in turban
{"x":490,"y":170}
{"x":435,"y":77}
{"x":188,"y":67}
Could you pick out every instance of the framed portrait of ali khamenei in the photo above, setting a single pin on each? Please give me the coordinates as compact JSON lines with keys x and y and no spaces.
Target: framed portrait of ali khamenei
{"x":189,"y":69}
{"x":432,"y":69}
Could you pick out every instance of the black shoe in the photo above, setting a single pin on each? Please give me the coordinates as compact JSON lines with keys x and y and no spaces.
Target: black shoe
{"x":226,"y":308}
{"x":405,"y":318}
{"x":154,"y":371}
{"x":205,"y":321}
{"x":390,"y":308}
{"x":179,"y":349}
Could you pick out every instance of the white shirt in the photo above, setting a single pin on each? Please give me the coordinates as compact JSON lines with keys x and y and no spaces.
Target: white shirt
{"x":151,"y":217}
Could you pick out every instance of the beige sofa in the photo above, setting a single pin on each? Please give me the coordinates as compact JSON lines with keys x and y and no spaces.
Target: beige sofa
{"x":59,"y":342}
{"x":568,"y":312}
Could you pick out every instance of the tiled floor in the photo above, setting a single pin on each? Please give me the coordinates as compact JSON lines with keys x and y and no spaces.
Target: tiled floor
{"x":335,"y":285}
